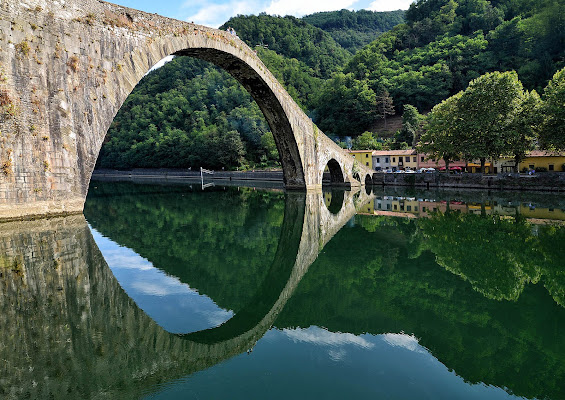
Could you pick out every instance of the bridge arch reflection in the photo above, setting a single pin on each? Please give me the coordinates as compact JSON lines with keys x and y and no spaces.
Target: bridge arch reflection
{"x":67,"y":296}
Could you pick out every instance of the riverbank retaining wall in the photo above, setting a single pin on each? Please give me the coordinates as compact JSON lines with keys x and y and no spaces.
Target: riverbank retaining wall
{"x":547,"y":181}
{"x":544,"y":181}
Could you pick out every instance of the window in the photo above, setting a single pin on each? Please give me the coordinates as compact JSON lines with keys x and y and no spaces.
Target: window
{"x":366,"y":155}
{"x":531,"y":166}
{"x":424,"y":209}
{"x":408,"y":208}
{"x":413,"y":159}
{"x":386,"y":160}
{"x":393,"y":159}
{"x":378,"y":161}
{"x":422,"y":159}
{"x":388,"y":206}
{"x":407,"y":159}
{"x":551,"y":167}
{"x":395,"y":207}
{"x":367,"y":164}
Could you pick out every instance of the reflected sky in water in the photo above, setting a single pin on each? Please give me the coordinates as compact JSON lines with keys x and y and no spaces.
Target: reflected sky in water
{"x":174,"y":305}
{"x":314,"y":363}
{"x":377,"y":315}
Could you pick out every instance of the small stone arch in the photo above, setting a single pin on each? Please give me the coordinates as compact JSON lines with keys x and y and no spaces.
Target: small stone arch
{"x":334,"y":200}
{"x":368,"y":180}
{"x":336,"y":172}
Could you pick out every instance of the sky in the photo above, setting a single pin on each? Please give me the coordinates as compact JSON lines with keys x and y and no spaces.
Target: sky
{"x":214,"y":13}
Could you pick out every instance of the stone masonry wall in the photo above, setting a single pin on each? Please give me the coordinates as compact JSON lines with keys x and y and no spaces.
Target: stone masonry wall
{"x":67,"y":66}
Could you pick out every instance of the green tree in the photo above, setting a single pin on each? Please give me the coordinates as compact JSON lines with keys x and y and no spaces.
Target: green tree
{"x":552,"y":133}
{"x":366,"y":141}
{"x":486,"y":111}
{"x":440,"y":139}
{"x":522,"y":132}
{"x":345,"y":106}
{"x":384,"y":105}
{"x":411,"y":121}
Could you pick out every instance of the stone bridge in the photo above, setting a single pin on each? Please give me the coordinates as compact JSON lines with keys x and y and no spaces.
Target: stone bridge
{"x":65,"y":319}
{"x":66,"y":67}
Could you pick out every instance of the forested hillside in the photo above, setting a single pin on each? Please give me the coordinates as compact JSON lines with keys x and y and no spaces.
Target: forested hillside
{"x":292,"y":38}
{"x":202,"y":117}
{"x":190,"y":113}
{"x":355,"y":29}
{"x":443,"y":45}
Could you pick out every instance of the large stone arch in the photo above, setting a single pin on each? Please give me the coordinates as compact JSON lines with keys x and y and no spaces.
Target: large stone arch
{"x":67,"y":67}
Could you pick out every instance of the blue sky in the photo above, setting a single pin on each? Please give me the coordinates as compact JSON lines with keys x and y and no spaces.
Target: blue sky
{"x":215,"y":12}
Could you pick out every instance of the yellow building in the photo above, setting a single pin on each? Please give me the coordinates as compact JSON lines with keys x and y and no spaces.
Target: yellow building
{"x":543,"y":159}
{"x":365,"y":157}
{"x":475,"y":166}
{"x":403,"y":159}
{"x":529,"y":211}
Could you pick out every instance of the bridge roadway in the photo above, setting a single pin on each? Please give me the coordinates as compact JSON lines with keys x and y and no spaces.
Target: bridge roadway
{"x":65,"y":318}
{"x":66,"y":67}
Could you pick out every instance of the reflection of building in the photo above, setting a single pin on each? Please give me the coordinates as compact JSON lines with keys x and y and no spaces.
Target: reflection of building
{"x":368,"y":208}
{"x":408,"y":207}
{"x":530,"y":211}
{"x":327,"y":199}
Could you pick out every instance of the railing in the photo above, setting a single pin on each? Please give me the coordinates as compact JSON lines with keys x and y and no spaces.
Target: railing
{"x":202,"y":172}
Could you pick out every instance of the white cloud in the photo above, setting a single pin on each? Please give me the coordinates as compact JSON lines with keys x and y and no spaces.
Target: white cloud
{"x":214,"y":15}
{"x":389,"y":5}
{"x":299,"y":8}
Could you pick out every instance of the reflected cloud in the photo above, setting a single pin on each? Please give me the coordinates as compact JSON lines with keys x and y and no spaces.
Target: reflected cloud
{"x":166,"y":286}
{"x":324,"y":337}
{"x":218,"y":317}
{"x":408,"y":342}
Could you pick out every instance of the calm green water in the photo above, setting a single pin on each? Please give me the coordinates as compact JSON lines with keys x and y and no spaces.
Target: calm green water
{"x":167,"y":292}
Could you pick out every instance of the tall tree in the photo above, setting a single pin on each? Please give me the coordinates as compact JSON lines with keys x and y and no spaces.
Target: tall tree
{"x":486,"y":110}
{"x":411,"y":121}
{"x":522,"y":131}
{"x":552,"y":135}
{"x":384,"y":105}
{"x":440,"y":139}
{"x":366,"y":141}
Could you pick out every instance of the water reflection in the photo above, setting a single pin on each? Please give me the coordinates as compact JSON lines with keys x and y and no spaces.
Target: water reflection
{"x":70,"y":331}
{"x":401,"y":300}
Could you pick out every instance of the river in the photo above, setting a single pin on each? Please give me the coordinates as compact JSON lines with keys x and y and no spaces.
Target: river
{"x":170,"y":291}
